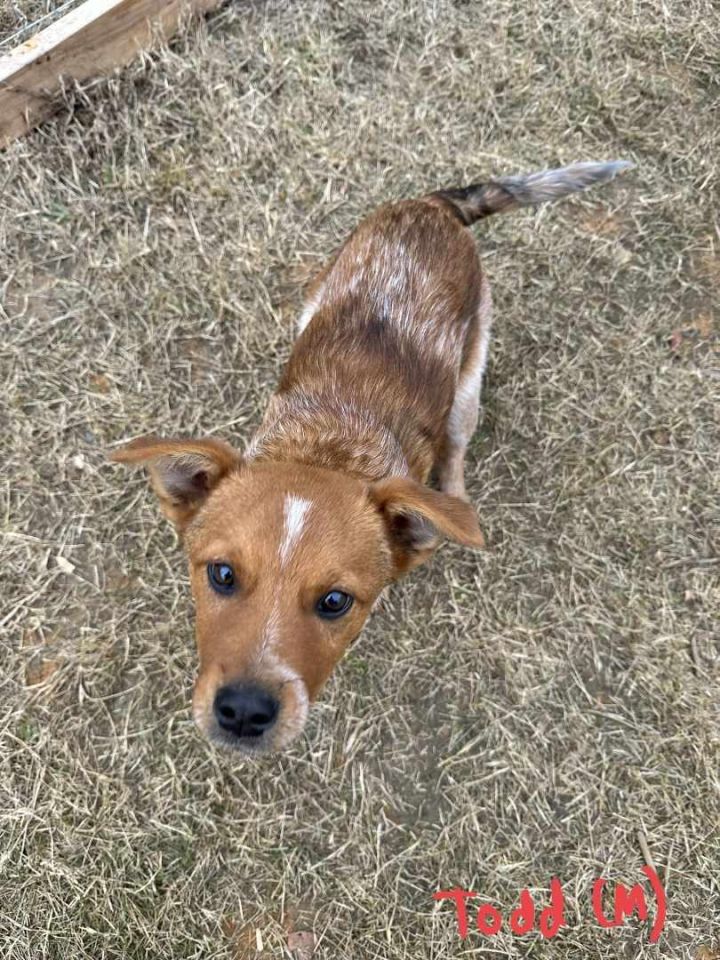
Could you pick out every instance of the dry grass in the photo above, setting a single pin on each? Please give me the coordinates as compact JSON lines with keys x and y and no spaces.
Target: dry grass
{"x":509,"y":717}
{"x":20,"y":18}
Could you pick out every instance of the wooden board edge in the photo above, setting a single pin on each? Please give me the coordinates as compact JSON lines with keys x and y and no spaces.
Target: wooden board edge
{"x":87,"y":42}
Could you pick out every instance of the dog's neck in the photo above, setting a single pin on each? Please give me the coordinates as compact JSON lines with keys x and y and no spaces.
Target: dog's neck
{"x":324,"y":430}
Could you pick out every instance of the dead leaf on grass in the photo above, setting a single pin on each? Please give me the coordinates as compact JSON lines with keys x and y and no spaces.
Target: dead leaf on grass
{"x":100,"y":382}
{"x":710,"y":267}
{"x":40,"y":671}
{"x":703,"y":323}
{"x":676,"y":339}
{"x":30,"y":638}
{"x":301,"y":943}
{"x":602,"y":223}
{"x":707,"y":953}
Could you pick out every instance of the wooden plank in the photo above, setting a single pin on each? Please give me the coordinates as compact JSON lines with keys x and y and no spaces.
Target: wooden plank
{"x":88,"y":42}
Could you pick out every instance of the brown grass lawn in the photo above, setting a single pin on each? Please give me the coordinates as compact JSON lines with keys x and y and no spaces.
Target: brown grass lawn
{"x":546,"y":708}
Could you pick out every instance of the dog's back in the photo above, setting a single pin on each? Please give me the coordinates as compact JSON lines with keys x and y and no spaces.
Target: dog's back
{"x":391,"y":320}
{"x":401,"y":314}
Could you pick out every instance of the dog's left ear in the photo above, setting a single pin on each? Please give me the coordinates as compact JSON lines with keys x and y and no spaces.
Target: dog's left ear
{"x":183,"y":472}
{"x":416,"y":517}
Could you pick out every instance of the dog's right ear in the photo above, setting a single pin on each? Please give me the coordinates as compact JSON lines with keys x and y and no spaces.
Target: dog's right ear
{"x":183,"y":472}
{"x":417,"y":517}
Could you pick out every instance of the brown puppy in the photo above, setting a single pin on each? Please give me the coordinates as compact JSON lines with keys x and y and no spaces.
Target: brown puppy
{"x":290,"y":544}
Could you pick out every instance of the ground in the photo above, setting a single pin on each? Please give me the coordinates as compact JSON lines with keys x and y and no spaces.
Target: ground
{"x":17,"y":18}
{"x":545,"y":708}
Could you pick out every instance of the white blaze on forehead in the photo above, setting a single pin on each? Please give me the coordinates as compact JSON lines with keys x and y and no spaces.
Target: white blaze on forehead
{"x":294,"y":512}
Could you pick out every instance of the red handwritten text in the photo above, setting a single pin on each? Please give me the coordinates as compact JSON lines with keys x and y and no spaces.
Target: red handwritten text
{"x":524,"y":918}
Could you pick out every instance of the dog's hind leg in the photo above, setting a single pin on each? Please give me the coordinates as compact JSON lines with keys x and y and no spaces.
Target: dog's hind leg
{"x":463,"y":417}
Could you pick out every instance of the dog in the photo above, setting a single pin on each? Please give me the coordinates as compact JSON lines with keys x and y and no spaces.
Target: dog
{"x":291,"y":543}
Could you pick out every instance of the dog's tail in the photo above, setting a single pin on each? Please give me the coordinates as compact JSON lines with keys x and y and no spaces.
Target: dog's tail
{"x":507,"y":193}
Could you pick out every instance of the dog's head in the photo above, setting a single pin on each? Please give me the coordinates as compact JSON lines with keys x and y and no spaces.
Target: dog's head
{"x":286,"y":562}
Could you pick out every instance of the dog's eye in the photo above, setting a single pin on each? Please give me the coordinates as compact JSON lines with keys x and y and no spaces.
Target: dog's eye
{"x":221,"y":577}
{"x":334,"y":604}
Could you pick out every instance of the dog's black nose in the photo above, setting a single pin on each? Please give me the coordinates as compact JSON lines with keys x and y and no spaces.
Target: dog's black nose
{"x":245,"y":711}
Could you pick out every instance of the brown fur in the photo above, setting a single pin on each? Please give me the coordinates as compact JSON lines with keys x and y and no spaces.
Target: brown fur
{"x":381,"y":387}
{"x":410,"y":259}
